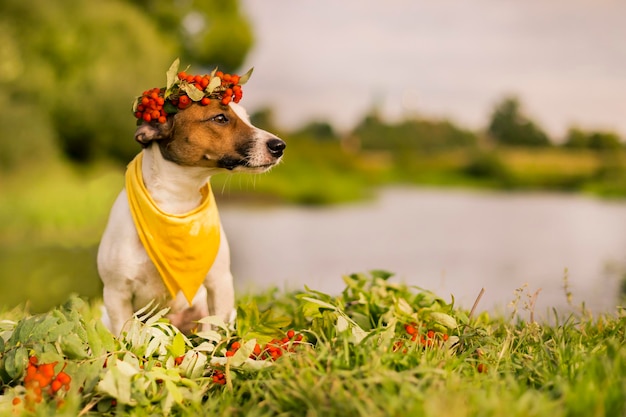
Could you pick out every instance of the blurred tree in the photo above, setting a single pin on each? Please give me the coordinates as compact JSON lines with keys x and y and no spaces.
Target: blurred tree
{"x":210,"y":32}
{"x":318,"y":130}
{"x":411,"y":134}
{"x":604,"y":141}
{"x":74,"y":67}
{"x":598,"y":140}
{"x":265,"y":119}
{"x":576,"y":138}
{"x":509,"y":126}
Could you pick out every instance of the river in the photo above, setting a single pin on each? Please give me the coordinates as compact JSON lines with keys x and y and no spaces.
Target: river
{"x":448,"y":241}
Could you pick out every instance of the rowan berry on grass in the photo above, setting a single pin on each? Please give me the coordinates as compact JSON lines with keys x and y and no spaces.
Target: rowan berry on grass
{"x":40,"y":379}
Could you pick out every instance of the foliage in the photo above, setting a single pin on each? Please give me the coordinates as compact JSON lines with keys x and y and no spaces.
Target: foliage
{"x":509,"y":126}
{"x":379,"y":348}
{"x":411,"y":135}
{"x":210,"y":32}
{"x":578,"y":138}
{"x":69,"y":69}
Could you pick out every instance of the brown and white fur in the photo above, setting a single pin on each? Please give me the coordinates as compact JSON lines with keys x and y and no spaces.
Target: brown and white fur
{"x":180,"y":156}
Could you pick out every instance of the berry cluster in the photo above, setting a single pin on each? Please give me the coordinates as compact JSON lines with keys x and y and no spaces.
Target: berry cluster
{"x":219,"y":377}
{"x":272,"y":350}
{"x":183,"y":89}
{"x":40,"y":379}
{"x":425,"y":338}
{"x":229,"y":88}
{"x":151,"y":106}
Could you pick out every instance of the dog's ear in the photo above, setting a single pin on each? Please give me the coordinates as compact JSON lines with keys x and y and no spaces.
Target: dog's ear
{"x":147,"y":132}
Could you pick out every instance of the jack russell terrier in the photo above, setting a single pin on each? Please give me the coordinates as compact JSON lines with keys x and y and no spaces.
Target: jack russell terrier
{"x":164,"y":241}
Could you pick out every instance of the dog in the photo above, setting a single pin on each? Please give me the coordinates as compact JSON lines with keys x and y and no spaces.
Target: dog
{"x":178,"y":159}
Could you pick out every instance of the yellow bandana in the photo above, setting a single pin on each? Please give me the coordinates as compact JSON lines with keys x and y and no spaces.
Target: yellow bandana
{"x":182,"y":247}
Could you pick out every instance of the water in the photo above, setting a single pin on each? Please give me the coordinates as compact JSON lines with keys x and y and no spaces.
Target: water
{"x":450,"y":242}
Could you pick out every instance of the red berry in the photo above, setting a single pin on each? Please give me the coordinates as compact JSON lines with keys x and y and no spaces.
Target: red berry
{"x":235,"y":346}
{"x":64,"y":378}
{"x":184,"y":102}
{"x":47,"y":369}
{"x":291,"y":334}
{"x":55,"y":386}
{"x":226,"y":100}
{"x":205,"y":101}
{"x":410,"y":329}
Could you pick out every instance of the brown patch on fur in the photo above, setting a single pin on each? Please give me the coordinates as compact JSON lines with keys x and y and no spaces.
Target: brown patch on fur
{"x":203,"y":135}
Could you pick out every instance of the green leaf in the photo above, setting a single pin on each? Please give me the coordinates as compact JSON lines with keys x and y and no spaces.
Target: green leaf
{"x":194,"y":364}
{"x":342,"y":324}
{"x":244,"y":78}
{"x":177,"y":348}
{"x":174,"y":391}
{"x":136,"y":103}
{"x":213,"y":84}
{"x":205,"y":347}
{"x":211,"y":335}
{"x":443,"y":319}
{"x":15,"y":362}
{"x":172,"y":73}
{"x":170,"y":108}
{"x":57,"y":332}
{"x":214,"y":321}
{"x":117,"y":382}
{"x":382,"y":274}
{"x":99,"y":338}
{"x":320,"y":303}
{"x":72,"y":346}
{"x":192,"y":91}
{"x":243,"y":353}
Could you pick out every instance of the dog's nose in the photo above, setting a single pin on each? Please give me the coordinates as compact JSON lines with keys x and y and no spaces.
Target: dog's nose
{"x":276,"y":147}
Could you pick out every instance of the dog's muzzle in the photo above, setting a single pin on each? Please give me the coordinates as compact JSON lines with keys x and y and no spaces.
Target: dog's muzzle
{"x":248,"y":160}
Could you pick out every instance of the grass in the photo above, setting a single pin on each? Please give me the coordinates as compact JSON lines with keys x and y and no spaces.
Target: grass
{"x":356,"y":358}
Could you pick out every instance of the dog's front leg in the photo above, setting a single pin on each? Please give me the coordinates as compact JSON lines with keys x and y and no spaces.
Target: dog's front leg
{"x":219,"y":284}
{"x":119,"y":307}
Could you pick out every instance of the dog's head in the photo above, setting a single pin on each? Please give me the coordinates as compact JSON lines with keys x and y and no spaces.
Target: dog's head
{"x":213,"y":136}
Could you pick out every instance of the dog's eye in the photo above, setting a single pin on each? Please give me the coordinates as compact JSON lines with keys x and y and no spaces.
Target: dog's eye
{"x":220,"y":118}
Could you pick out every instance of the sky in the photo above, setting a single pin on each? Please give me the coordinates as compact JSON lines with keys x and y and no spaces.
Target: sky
{"x":335,"y":60}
